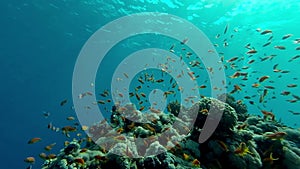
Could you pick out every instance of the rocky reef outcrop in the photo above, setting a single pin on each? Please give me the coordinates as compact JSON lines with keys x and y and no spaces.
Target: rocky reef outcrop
{"x":135,"y":140}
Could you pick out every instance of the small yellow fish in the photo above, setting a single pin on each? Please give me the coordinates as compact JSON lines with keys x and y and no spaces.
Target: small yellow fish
{"x":185,"y":156}
{"x":84,"y":128}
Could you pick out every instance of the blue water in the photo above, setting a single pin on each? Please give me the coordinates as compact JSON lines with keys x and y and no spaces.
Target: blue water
{"x":40,"y":42}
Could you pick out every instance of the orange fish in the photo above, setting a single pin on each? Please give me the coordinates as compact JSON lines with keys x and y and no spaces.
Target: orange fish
{"x":159,"y":80}
{"x":120,"y":130}
{"x":295,"y":57}
{"x":196,"y":163}
{"x":233,"y":59}
{"x":235,"y":75}
{"x":191,"y":74}
{"x":142,"y":108}
{"x":267,"y":57}
{"x":261,"y":99}
{"x":223,"y":145}
{"x":280,"y":47}
{"x":275,"y":66}
{"x":277,"y":136}
{"x":285,"y":93}
{"x":265,"y":92}
{"x":79,"y":161}
{"x":266,"y":44}
{"x":268,"y":114}
{"x":242,"y":126}
{"x":252,"y":51}
{"x":141,"y":80}
{"x":251,"y":61}
{"x":292,"y":100}
{"x":29,"y":160}
{"x":286,"y":36}
{"x":68,"y":129}
{"x":49,"y":147}
{"x":137,"y":97}
{"x":242,"y":150}
{"x":43,"y":156}
{"x":270,"y":159}
{"x":34,"y":140}
{"x":292,"y":85}
{"x":202,"y":86}
{"x":270,"y":87}
{"x":101,"y":102}
{"x":204,"y":111}
{"x":168,"y":93}
{"x":66,"y":143}
{"x":263,"y":78}
{"x":188,"y":54}
{"x":51,"y":156}
{"x":236,"y":88}
{"x":266,"y":32}
{"x":296,"y":97}
{"x":70,"y":118}
{"x":63,"y":102}
{"x":147,"y":126}
{"x":83,"y":150}
{"x":143,"y":94}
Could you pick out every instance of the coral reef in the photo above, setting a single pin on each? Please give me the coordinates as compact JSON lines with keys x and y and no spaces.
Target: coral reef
{"x":228,"y":120}
{"x":163,"y":140}
{"x":238,"y":106}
